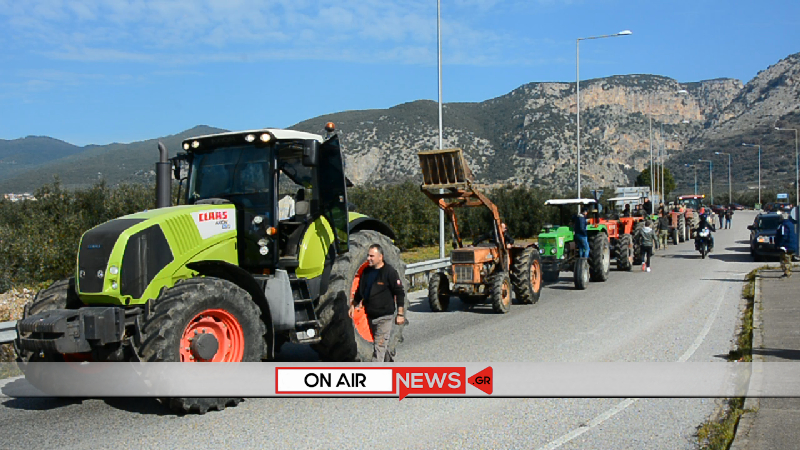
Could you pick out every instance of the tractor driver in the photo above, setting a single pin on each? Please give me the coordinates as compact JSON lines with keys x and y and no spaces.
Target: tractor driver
{"x":490,"y":236}
{"x":579,"y":229}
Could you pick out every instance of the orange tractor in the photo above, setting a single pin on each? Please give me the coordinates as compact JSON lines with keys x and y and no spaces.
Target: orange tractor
{"x":481,"y":273}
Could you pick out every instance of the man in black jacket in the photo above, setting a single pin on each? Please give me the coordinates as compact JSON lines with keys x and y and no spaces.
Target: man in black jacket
{"x":380,"y":289}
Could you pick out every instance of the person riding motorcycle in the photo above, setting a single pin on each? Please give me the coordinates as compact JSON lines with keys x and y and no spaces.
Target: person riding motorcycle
{"x":704,"y":224}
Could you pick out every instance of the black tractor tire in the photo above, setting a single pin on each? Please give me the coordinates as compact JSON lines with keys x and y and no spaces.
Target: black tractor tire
{"x":637,"y":242}
{"x":581,"y":273}
{"x":59,"y":295}
{"x":683,"y":230}
{"x":500,"y":292}
{"x":526,"y":276}
{"x":599,"y":257}
{"x":173,"y":315}
{"x":675,"y":237}
{"x":551,"y":275}
{"x":438,"y":292}
{"x":340,"y":340}
{"x":625,"y":253}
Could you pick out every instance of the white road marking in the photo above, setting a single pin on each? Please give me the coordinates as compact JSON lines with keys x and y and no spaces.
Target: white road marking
{"x":619,"y":407}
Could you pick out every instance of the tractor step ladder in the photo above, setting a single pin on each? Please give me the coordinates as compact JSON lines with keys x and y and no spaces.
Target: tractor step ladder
{"x":305,"y":317}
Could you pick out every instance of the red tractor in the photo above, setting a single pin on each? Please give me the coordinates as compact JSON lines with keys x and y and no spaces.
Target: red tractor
{"x":685,"y":217}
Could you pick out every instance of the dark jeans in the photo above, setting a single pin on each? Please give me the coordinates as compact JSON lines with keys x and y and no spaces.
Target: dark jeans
{"x":647,"y":252}
{"x":583,"y":245}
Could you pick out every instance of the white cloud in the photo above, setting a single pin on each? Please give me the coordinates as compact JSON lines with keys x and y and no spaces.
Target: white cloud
{"x":172,"y":31}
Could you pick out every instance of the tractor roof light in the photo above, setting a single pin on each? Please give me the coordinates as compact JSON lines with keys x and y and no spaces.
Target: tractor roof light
{"x":250,"y":138}
{"x":265,"y":137}
{"x":186,"y":146}
{"x":330,"y":127}
{"x":195,"y":144}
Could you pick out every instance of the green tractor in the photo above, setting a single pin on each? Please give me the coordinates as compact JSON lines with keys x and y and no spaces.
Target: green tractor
{"x":222,"y":277}
{"x":559,"y":250}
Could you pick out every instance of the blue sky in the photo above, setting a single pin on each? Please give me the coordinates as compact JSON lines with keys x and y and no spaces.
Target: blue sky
{"x":95,"y":72}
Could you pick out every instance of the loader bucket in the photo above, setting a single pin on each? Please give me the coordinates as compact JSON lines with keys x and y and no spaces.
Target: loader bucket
{"x":445,"y":168}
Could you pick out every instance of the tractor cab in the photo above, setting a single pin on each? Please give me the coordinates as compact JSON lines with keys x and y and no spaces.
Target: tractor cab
{"x":254,"y":171}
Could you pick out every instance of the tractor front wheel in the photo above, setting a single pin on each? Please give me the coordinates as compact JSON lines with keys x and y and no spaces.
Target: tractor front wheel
{"x":581,"y":273}
{"x":600,"y":257}
{"x":500,"y":292}
{"x":438,"y":292}
{"x":203,"y":319}
{"x":625,"y":253}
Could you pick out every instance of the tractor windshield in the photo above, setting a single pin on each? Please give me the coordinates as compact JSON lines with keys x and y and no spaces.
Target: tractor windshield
{"x":693,"y":203}
{"x":230,"y":171}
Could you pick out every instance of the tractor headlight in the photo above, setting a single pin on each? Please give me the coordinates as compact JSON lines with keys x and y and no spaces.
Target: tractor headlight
{"x":553,"y":251}
{"x":114,"y":285}
{"x":113,"y":270}
{"x":263,"y":250}
{"x":541,"y":251}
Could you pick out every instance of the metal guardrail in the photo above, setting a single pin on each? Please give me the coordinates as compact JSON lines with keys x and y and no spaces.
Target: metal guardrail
{"x":425,"y":266}
{"x":8,"y":332}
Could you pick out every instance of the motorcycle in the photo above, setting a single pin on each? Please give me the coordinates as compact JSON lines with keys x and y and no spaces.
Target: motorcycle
{"x":702,"y":242}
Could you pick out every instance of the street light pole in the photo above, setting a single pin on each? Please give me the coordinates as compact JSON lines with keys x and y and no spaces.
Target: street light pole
{"x":439,"y":52}
{"x":759,"y":169}
{"x":730,"y":199}
{"x":695,"y":176}
{"x":796,"y":166}
{"x":578,"y":91}
{"x":710,"y":177}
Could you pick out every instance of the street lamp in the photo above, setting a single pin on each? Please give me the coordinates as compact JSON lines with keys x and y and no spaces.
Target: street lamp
{"x":656,"y":174}
{"x":730,"y":199}
{"x":759,"y":170}
{"x":796,"y":166}
{"x":578,"y":90}
{"x":710,"y":177}
{"x":695,"y":176}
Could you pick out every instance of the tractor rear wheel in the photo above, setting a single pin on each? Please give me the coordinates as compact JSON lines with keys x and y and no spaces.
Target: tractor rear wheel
{"x":637,"y":242}
{"x":625,"y":253}
{"x":438,"y":292}
{"x":674,"y":236}
{"x":203,"y":319}
{"x":500,"y":292}
{"x":581,"y":273}
{"x":600,"y":257}
{"x":345,"y":339}
{"x":682,"y":234}
{"x":526,"y":276}
{"x":59,"y":295}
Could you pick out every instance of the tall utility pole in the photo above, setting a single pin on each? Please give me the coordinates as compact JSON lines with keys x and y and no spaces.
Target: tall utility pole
{"x":796,"y":166}
{"x":759,"y":170}
{"x":578,"y":91}
{"x":710,"y":177}
{"x":730,"y":199}
{"x":441,"y":140}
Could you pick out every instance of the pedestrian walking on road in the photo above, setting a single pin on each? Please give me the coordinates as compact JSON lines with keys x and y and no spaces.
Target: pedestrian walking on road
{"x":648,"y":238}
{"x":728,"y":217}
{"x":380,"y":290}
{"x":786,"y":241}
{"x":663,"y":229}
{"x":579,"y":229}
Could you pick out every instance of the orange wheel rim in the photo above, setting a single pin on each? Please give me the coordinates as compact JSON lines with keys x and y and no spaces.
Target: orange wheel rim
{"x":506,"y":293}
{"x":221,"y":325}
{"x":536,"y":279}
{"x":359,"y":315}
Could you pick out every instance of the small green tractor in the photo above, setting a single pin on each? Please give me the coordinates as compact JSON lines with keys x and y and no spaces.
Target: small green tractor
{"x":559,"y":250}
{"x":222,"y":277}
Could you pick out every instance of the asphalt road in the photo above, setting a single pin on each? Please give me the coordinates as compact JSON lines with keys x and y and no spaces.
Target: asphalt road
{"x":686,"y":309}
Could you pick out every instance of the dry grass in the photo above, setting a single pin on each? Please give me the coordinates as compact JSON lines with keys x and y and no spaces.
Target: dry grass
{"x":11,"y":305}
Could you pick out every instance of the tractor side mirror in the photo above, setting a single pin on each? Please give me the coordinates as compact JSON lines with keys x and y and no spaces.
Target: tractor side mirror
{"x":750,"y":227}
{"x":310,"y":152}
{"x":177,"y":161}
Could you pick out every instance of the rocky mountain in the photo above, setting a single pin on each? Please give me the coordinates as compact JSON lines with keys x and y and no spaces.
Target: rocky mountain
{"x":770,"y":99}
{"x":528,"y":135}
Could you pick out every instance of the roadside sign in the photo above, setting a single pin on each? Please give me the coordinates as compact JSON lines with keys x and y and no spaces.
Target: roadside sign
{"x":783,"y":196}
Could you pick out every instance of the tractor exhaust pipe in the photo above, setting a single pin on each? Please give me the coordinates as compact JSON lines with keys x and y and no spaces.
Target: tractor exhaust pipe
{"x":163,"y":179}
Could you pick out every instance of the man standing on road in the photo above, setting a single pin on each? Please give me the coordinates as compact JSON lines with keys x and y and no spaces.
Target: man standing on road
{"x":728,"y":217}
{"x":663,"y":229}
{"x":380,"y":290}
{"x":579,"y":229}
{"x":648,"y":237}
{"x":786,"y":241}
